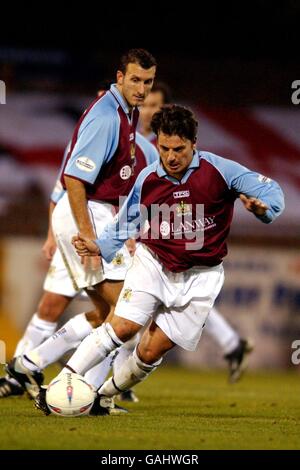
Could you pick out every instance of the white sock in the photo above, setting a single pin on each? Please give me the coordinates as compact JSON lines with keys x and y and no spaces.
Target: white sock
{"x":97,"y":374}
{"x":217,"y":327}
{"x":66,"y":338}
{"x":37,"y":332}
{"x":93,"y":349}
{"x":132,"y":372}
{"x":124,"y":352}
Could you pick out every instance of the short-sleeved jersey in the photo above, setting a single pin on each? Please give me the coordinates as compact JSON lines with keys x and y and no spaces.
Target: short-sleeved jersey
{"x":212,"y":183}
{"x":146,"y":154}
{"x":103,"y":149}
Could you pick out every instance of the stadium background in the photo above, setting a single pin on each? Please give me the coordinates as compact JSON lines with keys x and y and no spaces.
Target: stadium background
{"x":234,"y":65}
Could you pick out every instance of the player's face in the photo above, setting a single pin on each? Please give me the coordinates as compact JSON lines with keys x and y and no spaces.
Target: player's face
{"x":176,"y":153}
{"x":135,"y":85}
{"x":151,"y":105}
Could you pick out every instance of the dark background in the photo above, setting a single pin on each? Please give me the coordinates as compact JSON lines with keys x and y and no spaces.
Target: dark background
{"x":224,"y":53}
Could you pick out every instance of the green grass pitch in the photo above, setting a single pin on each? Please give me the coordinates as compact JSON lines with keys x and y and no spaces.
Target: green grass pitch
{"x":178,"y":409}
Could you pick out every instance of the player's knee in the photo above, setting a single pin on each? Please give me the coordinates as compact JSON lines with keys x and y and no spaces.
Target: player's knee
{"x":124,"y":329}
{"x":148,"y":354}
{"x":51,"y":307}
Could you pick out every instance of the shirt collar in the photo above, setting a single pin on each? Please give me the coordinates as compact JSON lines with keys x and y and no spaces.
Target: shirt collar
{"x":119,"y":97}
{"x":161,"y":172}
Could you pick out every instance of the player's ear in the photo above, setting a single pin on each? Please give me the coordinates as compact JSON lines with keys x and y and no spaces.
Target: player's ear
{"x":195,"y":143}
{"x":120,"y":77}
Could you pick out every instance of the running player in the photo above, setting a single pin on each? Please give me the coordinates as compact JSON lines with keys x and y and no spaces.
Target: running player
{"x":174,"y":279}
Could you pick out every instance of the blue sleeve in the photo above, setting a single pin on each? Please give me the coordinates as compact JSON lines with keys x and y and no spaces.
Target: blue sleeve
{"x":57,"y":192}
{"x":128,"y":220}
{"x":252,"y":184}
{"x":96,"y":144}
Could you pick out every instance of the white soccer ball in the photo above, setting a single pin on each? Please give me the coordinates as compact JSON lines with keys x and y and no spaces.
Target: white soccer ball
{"x":70,"y":395}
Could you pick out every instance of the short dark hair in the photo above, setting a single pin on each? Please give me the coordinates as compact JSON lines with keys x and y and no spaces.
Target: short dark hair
{"x":175,"y":120}
{"x":137,"y":56}
{"x":164,"y":89}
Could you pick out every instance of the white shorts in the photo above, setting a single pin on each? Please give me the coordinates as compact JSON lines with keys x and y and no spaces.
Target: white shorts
{"x":57,"y":279}
{"x":178,"y":302}
{"x":64,"y":228}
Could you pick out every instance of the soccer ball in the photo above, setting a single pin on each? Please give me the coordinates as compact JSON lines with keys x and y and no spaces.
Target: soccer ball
{"x":70,"y":395}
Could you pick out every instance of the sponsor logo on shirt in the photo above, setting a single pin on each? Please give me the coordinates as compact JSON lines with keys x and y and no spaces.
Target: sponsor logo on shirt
{"x":180,"y":194}
{"x":193,"y":226}
{"x":131,"y":136}
{"x":180,"y":229}
{"x":264,"y":179}
{"x":125,"y":172}
{"x":85,"y":164}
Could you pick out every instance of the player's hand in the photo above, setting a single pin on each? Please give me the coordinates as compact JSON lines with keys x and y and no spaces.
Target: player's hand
{"x":49,"y":248}
{"x":254,"y":205}
{"x":89,"y":252}
{"x":84,"y":246}
{"x":131,"y":246}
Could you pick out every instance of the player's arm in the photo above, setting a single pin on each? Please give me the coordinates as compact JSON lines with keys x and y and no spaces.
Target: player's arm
{"x":114,"y":235}
{"x":129,"y":220}
{"x":127,"y":225}
{"x":96,"y":143}
{"x":259,"y":194}
{"x":254,"y":205}
{"x":78,"y":203}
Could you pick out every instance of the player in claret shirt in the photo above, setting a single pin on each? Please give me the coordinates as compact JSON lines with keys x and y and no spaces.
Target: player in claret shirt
{"x":101,"y":165}
{"x":182,"y":208}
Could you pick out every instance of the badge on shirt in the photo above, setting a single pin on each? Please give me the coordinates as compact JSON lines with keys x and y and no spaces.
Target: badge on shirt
{"x":118,"y":259}
{"x":127,"y":294}
{"x":183,"y":209}
{"x":125,"y":172}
